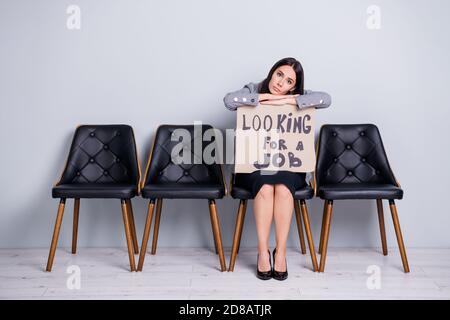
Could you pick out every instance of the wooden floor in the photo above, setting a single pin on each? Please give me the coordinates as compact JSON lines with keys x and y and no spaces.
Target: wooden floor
{"x":193,"y":273}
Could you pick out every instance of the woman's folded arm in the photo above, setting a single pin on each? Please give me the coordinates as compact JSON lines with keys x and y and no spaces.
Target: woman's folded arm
{"x":243,"y":97}
{"x":317,"y":99}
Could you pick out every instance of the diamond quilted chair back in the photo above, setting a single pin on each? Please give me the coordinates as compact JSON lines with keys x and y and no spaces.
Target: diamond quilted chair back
{"x":352,"y":153}
{"x":102,"y":154}
{"x":163,"y":168}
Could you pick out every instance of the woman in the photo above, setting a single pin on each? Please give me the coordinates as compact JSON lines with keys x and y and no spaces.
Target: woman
{"x":273,"y":193}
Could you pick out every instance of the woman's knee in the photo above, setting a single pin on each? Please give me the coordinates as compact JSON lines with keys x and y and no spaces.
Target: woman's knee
{"x":282,"y":192}
{"x":266,"y":191}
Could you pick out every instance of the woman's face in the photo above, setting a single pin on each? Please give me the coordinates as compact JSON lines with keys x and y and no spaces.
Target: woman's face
{"x":282,"y":81}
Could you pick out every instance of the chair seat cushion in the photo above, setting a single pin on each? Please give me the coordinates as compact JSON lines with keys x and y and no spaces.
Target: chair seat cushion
{"x":95,"y":190}
{"x":237,"y":192}
{"x":304,"y":193}
{"x":359,"y":191}
{"x":183,"y":191}
{"x":240,"y":193}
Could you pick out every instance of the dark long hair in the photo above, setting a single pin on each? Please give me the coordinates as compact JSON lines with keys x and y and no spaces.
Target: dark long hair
{"x":296,"y":65}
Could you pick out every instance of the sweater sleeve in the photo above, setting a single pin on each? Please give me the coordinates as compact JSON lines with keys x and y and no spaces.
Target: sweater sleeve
{"x":247,"y":96}
{"x":316,"y":99}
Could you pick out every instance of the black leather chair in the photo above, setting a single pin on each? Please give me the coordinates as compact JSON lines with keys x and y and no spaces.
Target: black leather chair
{"x":238,"y":191}
{"x":102,"y":163}
{"x":169,"y":179}
{"x":352,"y":164}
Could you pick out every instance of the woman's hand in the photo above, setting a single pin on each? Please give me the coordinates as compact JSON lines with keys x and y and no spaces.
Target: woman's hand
{"x":280,"y":102}
{"x":271,"y":97}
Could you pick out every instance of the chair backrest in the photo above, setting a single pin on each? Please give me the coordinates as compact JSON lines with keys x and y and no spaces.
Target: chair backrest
{"x":102,"y":154}
{"x":162,"y":168}
{"x":352,"y":153}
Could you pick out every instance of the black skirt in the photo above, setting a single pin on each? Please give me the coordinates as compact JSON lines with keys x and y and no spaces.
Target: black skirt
{"x":255,"y":180}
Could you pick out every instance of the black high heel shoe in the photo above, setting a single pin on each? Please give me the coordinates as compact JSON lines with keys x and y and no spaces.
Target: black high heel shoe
{"x":279,"y":275}
{"x":264,"y":275}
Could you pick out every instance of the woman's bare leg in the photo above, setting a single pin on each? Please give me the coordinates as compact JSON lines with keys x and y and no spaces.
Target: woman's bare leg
{"x":282,"y":212}
{"x":263,"y":210}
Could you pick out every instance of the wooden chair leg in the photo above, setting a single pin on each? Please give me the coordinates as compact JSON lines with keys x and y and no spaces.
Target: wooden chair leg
{"x":217,"y":234}
{"x":326,"y":233}
{"x":306,"y":222}
{"x":323,"y":226}
{"x":398,"y":233}
{"x":126,"y":222}
{"x":55,"y":237}
{"x":382,"y":228}
{"x":156,"y":226}
{"x":76,"y":212}
{"x":132,"y":226}
{"x":299,"y":226}
{"x":148,"y":224}
{"x":237,"y":232}
{"x":214,"y":238}
{"x":242,"y":227}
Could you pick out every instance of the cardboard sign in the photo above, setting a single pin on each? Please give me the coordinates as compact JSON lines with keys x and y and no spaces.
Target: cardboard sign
{"x":274,"y":138}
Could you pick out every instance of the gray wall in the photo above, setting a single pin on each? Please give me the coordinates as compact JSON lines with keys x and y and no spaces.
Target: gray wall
{"x":145,"y":63}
